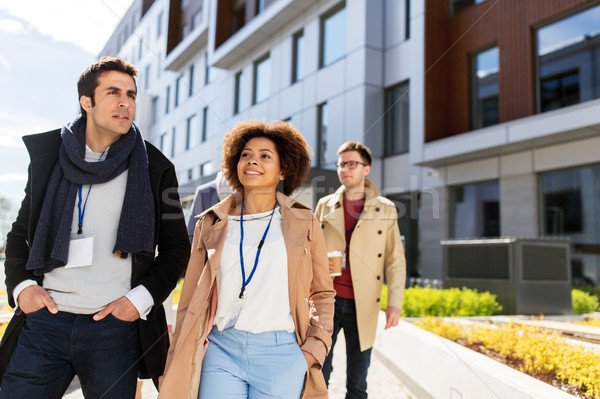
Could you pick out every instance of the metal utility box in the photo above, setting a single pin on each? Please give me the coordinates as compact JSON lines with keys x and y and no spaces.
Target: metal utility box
{"x":528,"y":275}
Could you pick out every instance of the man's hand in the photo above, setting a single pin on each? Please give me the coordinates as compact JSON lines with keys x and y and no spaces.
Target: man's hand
{"x":121,"y":308}
{"x":34,"y":298}
{"x":330,"y":266}
{"x":310,"y":359}
{"x":392,"y":316}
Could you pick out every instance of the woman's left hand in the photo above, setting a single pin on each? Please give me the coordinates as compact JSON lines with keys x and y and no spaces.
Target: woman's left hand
{"x":310,"y":359}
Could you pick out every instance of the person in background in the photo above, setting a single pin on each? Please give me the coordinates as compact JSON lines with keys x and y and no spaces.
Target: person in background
{"x":81,"y":263}
{"x":256,"y":311}
{"x":362,"y":225}
{"x":207,"y":195}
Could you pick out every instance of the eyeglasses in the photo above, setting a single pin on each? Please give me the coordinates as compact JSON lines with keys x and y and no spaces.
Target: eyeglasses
{"x":349,"y":164}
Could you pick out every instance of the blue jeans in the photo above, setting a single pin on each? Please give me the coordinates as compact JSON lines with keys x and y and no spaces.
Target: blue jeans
{"x":52,"y":349}
{"x":357,"y":362}
{"x":239,"y":364}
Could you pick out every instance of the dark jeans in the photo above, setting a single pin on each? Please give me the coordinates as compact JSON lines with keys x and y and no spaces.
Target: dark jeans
{"x":52,"y":349}
{"x":357,"y":362}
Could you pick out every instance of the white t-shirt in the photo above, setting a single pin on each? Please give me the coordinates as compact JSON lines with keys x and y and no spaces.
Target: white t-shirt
{"x":266,"y":304}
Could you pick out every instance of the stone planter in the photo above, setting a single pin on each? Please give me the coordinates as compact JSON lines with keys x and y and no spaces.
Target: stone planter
{"x":432,"y":367}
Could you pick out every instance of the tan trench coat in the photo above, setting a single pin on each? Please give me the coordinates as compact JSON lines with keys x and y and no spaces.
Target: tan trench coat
{"x":375,"y":246}
{"x":310,"y":289}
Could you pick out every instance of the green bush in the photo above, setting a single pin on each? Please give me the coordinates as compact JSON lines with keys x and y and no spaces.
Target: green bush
{"x":421,"y":302}
{"x":583,"y":302}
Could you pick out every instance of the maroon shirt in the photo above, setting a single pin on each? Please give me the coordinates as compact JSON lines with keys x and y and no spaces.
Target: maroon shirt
{"x":343,"y":283}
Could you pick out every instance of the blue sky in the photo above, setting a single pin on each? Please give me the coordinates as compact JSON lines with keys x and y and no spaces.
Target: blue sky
{"x":44,"y":46}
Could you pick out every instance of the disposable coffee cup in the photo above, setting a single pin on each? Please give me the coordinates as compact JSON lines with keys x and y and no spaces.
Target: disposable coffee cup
{"x":336,"y":258}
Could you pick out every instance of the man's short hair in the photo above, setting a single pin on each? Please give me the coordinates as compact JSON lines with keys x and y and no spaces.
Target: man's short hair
{"x":88,"y":80}
{"x":362,"y":149}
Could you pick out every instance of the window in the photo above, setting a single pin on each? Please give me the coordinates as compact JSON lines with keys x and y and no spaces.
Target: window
{"x":484,"y":77}
{"x":260,"y":6}
{"x":237,"y":95}
{"x":204,"y":123}
{"x":154,"y":109}
{"x":206,"y":169}
{"x":167,"y":144}
{"x":407,"y":19}
{"x":298,"y":56}
{"x":262,"y":79}
{"x":323,"y":123}
{"x":570,"y":206}
{"x":568,"y":68}
{"x":191,"y":81}
{"x":396,"y":120}
{"x":173,"y":133}
{"x":191,"y":133}
{"x":197,"y":19}
{"x":167,"y":97}
{"x":559,"y":91}
{"x":457,"y":6}
{"x":208,"y":71}
{"x":141,"y":44}
{"x":238,"y":19}
{"x":190,"y":174}
{"x":178,"y":90}
{"x":147,"y":77}
{"x":475,"y":210}
{"x":333,"y":35}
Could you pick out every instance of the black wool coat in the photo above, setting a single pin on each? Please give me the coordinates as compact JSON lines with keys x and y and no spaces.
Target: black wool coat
{"x":159,"y":274}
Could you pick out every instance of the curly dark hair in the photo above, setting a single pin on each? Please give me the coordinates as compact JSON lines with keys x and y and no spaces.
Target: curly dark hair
{"x":294,"y":152}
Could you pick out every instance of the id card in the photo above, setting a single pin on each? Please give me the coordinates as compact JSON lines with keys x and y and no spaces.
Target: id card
{"x":81,"y":252}
{"x":234,"y":314}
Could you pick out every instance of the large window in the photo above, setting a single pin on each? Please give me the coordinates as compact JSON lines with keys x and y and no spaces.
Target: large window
{"x":237,"y":95}
{"x":475,"y":210}
{"x":298,"y":56}
{"x":397,"y":119}
{"x":457,"y":6}
{"x":262,"y":79}
{"x":191,"y":133}
{"x":567,"y":58}
{"x":571,"y":207}
{"x":333,"y":35}
{"x":322,"y":126}
{"x":485,"y":68}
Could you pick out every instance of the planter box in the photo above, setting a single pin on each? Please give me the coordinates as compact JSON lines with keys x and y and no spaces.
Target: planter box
{"x":432,"y":367}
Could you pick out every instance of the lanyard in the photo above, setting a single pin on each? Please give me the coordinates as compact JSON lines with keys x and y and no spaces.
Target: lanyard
{"x":80,"y":210}
{"x":260,"y":244}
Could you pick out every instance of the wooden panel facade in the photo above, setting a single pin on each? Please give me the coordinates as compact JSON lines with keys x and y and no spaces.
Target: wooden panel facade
{"x":450,"y":42}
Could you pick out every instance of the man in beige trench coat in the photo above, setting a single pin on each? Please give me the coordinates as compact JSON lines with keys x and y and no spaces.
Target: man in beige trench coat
{"x":360,"y":223}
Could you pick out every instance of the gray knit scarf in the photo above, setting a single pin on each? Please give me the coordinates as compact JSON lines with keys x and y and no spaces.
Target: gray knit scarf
{"x":135,"y":234}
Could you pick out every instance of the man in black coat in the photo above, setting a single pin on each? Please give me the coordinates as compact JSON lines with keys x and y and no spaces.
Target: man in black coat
{"x":81,"y":263}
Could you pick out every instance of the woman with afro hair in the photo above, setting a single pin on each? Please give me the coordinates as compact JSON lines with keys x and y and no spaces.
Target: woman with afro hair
{"x":256,"y":311}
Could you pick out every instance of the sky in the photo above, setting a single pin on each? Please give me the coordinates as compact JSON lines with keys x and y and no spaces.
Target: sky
{"x":44,"y":47}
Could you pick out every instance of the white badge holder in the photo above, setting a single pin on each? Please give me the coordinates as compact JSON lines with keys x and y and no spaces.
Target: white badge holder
{"x":81,"y":252}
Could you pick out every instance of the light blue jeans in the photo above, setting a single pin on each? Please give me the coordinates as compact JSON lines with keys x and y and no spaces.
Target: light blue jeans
{"x":238,"y":364}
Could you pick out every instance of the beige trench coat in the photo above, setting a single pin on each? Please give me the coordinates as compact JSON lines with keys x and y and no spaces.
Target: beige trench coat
{"x":375,"y":246}
{"x":310,"y":290}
